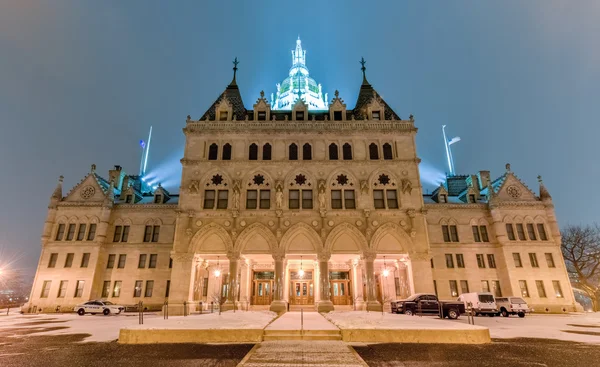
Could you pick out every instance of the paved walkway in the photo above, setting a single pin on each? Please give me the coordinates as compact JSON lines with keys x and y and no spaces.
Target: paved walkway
{"x":292,"y":321}
{"x":302,"y":353}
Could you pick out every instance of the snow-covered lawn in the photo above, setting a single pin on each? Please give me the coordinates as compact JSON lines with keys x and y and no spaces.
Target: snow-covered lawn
{"x":543,"y":326}
{"x":226,"y":320}
{"x":377,"y":320}
{"x":106,"y":328}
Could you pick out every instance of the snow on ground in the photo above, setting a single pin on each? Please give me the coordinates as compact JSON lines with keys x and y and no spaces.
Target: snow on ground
{"x":378,"y":320}
{"x":106,"y":328}
{"x":293,"y":321}
{"x":543,"y":326}
{"x":226,"y":320}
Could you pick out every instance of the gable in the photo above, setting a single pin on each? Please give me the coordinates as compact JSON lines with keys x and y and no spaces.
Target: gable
{"x":257,"y":244}
{"x":513,"y":189}
{"x":301,"y":243}
{"x":87,"y":190}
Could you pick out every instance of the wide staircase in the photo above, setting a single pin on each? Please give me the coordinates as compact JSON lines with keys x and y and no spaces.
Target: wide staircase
{"x":301,"y":326}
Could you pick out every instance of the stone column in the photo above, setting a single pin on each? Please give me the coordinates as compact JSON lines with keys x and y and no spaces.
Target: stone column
{"x":232,"y":286}
{"x":181,"y":282}
{"x":357,"y":284}
{"x":325,"y":304}
{"x":369,"y":267}
{"x":278,"y":304}
{"x":421,"y":273}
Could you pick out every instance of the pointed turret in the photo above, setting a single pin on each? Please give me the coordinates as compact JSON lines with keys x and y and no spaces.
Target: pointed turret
{"x":229,"y":106}
{"x":544,"y":194}
{"x":368,"y":98}
{"x":57,"y":194}
{"x":109,"y":199}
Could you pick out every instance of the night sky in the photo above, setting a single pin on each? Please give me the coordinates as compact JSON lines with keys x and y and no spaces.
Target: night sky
{"x":82,"y":81}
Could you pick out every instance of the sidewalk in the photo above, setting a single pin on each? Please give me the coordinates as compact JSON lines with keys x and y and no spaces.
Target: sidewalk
{"x":293,"y":321}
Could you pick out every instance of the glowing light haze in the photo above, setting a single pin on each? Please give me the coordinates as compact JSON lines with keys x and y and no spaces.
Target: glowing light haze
{"x":82,"y":81}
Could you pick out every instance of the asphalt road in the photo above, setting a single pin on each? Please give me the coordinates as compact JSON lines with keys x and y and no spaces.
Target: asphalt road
{"x":19,"y":350}
{"x":501,"y":353}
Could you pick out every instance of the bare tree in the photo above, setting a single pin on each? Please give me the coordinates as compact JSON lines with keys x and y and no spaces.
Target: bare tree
{"x":581,"y":250}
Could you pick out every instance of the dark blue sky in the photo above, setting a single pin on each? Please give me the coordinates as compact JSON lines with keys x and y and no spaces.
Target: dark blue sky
{"x":82,"y":81}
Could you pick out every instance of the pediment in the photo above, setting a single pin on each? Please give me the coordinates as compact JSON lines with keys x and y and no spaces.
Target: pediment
{"x":513,"y":189}
{"x":88,"y":190}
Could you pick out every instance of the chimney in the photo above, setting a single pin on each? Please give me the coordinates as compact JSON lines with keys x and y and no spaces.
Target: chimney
{"x":116,"y":175}
{"x":484,"y":179}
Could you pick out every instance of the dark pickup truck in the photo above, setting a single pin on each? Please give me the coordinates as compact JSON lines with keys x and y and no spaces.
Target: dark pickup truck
{"x":424,"y":303}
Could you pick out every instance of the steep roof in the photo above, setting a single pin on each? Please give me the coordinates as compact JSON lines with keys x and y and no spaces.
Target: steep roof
{"x":365,"y":97}
{"x":233,"y":96}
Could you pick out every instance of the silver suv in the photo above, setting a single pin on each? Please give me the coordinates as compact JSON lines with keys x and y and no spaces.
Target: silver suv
{"x":512,"y":306}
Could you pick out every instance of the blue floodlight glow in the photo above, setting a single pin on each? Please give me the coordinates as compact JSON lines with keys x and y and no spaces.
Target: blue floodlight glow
{"x":167,"y":172}
{"x":430,"y":175}
{"x":142,"y":144}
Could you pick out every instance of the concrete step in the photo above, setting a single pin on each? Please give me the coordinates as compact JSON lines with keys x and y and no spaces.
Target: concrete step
{"x":300,"y":332}
{"x":301,"y":337}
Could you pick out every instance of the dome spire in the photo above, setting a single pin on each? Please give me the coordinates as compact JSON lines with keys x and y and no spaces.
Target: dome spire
{"x":363,"y":68}
{"x":235,"y":64}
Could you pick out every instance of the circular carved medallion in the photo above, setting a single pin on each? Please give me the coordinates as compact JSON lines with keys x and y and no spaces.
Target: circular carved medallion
{"x":358,"y":223}
{"x":330,"y":223}
{"x":87,"y":192}
{"x":199,"y":223}
{"x":513,"y":191}
{"x":315,"y":223}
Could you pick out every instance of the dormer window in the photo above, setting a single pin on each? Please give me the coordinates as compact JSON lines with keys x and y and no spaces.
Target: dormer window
{"x":223,"y":116}
{"x":157,"y":199}
{"x":337,"y":115}
{"x":443,"y":198}
{"x":128,"y":199}
{"x":262,"y":115}
{"x":376,"y":115}
{"x":299,"y":115}
{"x":471,"y":198}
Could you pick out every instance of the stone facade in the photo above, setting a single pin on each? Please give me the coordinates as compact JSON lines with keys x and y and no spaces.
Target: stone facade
{"x":298,"y":207}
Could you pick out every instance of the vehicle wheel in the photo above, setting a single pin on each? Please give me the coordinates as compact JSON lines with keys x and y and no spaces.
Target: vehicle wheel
{"x":81,"y":312}
{"x":453,"y":314}
{"x":521,"y":314}
{"x":106,"y":312}
{"x":408,"y":312}
{"x":504,"y":313}
{"x":490,"y":314}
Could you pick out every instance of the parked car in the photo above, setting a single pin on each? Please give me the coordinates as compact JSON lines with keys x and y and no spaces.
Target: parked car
{"x":483,"y":303}
{"x":426,"y":303}
{"x":96,"y":307}
{"x":512,"y":306}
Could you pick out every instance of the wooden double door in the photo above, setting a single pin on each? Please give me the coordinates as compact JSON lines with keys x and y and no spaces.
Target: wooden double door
{"x":262,"y":293}
{"x":340,"y":292}
{"x":302,"y":292}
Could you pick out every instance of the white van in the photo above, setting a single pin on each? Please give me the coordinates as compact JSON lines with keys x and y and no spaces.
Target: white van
{"x":483,"y":303}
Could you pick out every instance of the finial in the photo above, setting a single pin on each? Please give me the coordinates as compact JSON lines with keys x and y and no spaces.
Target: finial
{"x":411,"y":118}
{"x":539,"y":177}
{"x":262,"y":94}
{"x":61,"y":178}
{"x":363,"y":68}
{"x":336,"y":93}
{"x":508,"y":167}
{"x":93,"y":169}
{"x":189,"y":117}
{"x":159,"y":184}
{"x":235,"y":64}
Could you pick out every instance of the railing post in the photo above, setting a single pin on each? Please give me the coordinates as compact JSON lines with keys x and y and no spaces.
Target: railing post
{"x":141,"y":312}
{"x":184,"y":308}
{"x":200,"y":307}
{"x":166,"y":310}
{"x":212,"y":306}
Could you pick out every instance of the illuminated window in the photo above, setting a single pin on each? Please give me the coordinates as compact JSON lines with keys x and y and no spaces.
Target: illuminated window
{"x":333,"y":152}
{"x":223,"y":116}
{"x":137,"y":289}
{"x":62,"y":289}
{"x":376,"y":115}
{"x":524,"y":289}
{"x":485,"y":286}
{"x":79,"y":288}
{"x":106,"y":289}
{"x":453,"y":288}
{"x":149,"y":288}
{"x":443,"y":198}
{"x":557,"y":289}
{"x":117,"y":288}
{"x":517,"y":260}
{"x":496,"y":288}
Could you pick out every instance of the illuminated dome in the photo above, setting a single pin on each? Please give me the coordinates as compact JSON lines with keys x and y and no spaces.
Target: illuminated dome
{"x":298,"y":85}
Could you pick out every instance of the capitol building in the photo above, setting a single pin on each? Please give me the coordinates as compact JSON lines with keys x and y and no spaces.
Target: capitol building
{"x":298,"y":200}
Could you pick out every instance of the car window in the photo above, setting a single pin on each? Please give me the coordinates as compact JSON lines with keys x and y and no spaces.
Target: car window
{"x":517,"y":300}
{"x":108,"y":303}
{"x":89,"y":303}
{"x":488,"y":298}
{"x":431,"y":298}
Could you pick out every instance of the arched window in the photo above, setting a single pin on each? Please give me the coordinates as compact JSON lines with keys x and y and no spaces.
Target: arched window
{"x":293,"y":152}
{"x":333,"y":152}
{"x":347,"y":151}
{"x":253,"y":152}
{"x":306,"y":152}
{"x":373,"y":151}
{"x":227,"y":152}
{"x":213,"y":152}
{"x":267,"y":152}
{"x":387,"y":151}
